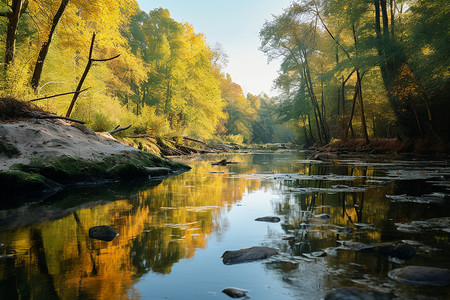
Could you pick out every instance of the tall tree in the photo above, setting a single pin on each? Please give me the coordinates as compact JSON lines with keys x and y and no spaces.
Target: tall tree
{"x":15,"y":11}
{"x":46,"y":45}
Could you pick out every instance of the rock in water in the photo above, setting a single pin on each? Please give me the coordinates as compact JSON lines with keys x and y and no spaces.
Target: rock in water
{"x":248,"y":254}
{"x":235,"y":292}
{"x":421,"y":275}
{"x":103,"y":233}
{"x":323,"y":216}
{"x":357,"y":294}
{"x":268,"y":219}
{"x":402,"y":251}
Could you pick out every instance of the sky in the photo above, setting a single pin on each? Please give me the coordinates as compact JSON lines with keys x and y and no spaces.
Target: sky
{"x":235,"y":24}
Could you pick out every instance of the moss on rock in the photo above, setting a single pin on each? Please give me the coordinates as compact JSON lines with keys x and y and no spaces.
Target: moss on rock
{"x":8,"y":149}
{"x":19,"y":187}
{"x":129,"y":165}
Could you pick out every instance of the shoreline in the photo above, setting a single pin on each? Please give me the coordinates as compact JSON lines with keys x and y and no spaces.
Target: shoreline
{"x":39,"y":158}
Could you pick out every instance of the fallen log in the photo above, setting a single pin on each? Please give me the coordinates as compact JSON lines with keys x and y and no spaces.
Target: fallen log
{"x":198,"y":141}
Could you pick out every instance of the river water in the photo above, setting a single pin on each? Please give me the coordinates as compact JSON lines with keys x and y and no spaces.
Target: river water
{"x":172,"y":232}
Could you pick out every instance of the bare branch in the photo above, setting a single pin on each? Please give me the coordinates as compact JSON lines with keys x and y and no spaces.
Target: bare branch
{"x":118,"y":128}
{"x":58,"y":95}
{"x":105,"y":59}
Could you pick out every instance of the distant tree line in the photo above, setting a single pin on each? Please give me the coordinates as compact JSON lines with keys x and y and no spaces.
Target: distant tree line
{"x":166,"y":81}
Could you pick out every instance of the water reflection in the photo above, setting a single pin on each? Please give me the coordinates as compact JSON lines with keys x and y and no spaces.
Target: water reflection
{"x":46,"y":251}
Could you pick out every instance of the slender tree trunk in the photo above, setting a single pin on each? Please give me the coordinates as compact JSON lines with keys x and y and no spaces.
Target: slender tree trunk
{"x":355,"y":95}
{"x":363,"y":118}
{"x":18,"y":8}
{"x":83,"y":77}
{"x":86,"y":71}
{"x":45,"y":47}
{"x":313,"y":97}
{"x":310,"y":130}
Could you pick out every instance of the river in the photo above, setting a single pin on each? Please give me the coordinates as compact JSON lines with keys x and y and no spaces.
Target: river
{"x":172,"y":232}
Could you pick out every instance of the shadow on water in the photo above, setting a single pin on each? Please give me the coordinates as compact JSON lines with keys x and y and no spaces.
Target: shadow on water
{"x":178,"y":227}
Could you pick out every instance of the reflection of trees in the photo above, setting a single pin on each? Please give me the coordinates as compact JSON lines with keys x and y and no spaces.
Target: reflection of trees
{"x":163,"y":224}
{"x":157,"y":226}
{"x":345,"y":208}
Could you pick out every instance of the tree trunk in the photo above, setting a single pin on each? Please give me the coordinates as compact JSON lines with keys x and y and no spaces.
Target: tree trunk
{"x":309,"y":85}
{"x":363,"y":118}
{"x":391,"y":61}
{"x":44,"y":49}
{"x":83,"y":77}
{"x":18,"y":8}
{"x":352,"y":112}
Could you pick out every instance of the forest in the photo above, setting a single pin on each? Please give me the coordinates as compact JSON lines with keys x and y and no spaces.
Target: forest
{"x":366,"y":69}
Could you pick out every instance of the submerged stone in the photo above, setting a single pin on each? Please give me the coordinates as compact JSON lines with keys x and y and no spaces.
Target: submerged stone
{"x":357,"y":246}
{"x":343,"y":230}
{"x":235,"y":292}
{"x":418,"y":275}
{"x":103,"y":233}
{"x":268,"y":219}
{"x":247,"y":254}
{"x":317,"y":254}
{"x":357,"y":294}
{"x":402,"y":251}
{"x":323,"y":216}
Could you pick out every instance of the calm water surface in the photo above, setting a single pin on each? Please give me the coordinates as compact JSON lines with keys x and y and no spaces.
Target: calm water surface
{"x":173,"y":232}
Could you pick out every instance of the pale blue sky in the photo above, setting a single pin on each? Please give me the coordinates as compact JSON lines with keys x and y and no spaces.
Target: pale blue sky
{"x":235,"y":24}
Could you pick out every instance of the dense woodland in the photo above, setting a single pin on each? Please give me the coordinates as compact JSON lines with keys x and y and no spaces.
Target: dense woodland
{"x":355,"y":68}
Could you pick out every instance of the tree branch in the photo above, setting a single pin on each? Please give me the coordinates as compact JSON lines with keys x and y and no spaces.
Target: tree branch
{"x":118,"y":128}
{"x":58,"y":95}
{"x":105,"y":59}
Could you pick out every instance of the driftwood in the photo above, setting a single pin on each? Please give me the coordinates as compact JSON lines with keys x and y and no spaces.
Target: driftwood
{"x":223,"y":162}
{"x":198,"y":141}
{"x":118,"y":128}
{"x":187,"y":149}
{"x":58,"y":95}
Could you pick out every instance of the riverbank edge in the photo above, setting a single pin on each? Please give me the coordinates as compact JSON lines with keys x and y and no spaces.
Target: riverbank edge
{"x":32,"y":170}
{"x":417,"y":149}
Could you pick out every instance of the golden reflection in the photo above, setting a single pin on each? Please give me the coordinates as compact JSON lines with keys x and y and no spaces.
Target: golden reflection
{"x":163,"y":224}
{"x":157,"y":227}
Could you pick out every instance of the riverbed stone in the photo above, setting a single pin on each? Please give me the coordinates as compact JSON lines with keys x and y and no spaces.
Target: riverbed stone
{"x":323,"y":216}
{"x":103,"y":233}
{"x":357,"y":246}
{"x":270,"y":219}
{"x":419,"y":275}
{"x":343,"y":230}
{"x":235,"y":292}
{"x":248,"y":254}
{"x":357,"y":294}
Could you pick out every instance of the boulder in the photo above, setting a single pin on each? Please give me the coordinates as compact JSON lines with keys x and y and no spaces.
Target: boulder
{"x":419,"y":275}
{"x":235,"y":292}
{"x":268,"y":219}
{"x":357,"y":294}
{"x":103,"y":233}
{"x":247,"y":254}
